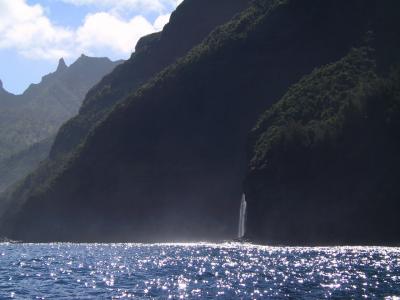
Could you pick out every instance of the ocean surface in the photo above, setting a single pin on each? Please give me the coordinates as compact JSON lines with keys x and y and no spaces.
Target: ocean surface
{"x":196,"y":271}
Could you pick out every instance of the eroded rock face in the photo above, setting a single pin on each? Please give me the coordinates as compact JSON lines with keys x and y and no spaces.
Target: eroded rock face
{"x":29,"y":121}
{"x":62,"y":66}
{"x":153,"y":53}
{"x":168,"y":163}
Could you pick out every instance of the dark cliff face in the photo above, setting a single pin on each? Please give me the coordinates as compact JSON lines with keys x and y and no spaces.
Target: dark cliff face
{"x":189,"y":25}
{"x":324,"y":165}
{"x":168,"y":163}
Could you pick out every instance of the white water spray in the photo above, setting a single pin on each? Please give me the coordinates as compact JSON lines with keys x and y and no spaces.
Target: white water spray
{"x":242,"y":217}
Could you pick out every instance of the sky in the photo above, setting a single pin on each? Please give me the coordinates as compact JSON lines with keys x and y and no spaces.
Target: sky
{"x":35,"y":34}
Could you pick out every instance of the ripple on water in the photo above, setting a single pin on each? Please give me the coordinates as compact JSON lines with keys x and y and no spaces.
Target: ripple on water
{"x":197,"y":271}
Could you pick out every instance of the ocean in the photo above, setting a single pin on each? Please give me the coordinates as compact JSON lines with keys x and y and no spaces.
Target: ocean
{"x":196,"y":271}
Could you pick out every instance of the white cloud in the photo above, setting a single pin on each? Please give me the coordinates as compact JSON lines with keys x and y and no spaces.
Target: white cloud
{"x":161,"y":21}
{"x":123,"y":5}
{"x":103,"y":30}
{"x":28,"y":30}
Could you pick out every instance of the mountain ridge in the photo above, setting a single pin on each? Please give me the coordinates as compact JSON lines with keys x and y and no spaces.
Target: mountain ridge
{"x":153,"y":53}
{"x":29,"y":119}
{"x":168,"y":162}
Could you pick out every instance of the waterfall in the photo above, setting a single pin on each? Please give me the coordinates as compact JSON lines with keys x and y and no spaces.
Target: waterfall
{"x":242,"y":217}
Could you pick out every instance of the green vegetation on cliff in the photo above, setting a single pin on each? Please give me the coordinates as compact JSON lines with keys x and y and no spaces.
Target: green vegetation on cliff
{"x":28,"y":121}
{"x":325,"y":163}
{"x":22,"y":163}
{"x":314,"y":111}
{"x":153,"y":53}
{"x":39,"y":112}
{"x":167,"y":162}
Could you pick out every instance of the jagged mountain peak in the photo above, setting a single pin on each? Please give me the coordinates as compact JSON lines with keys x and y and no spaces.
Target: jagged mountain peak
{"x":61,"y":65}
{"x":44,"y":106}
{"x":83,"y":57}
{"x":179,"y":141}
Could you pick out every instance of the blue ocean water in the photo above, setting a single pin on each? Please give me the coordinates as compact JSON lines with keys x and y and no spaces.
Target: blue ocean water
{"x":196,"y":271}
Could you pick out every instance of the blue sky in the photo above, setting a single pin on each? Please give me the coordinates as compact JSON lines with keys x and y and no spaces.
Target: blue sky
{"x":34,"y":34}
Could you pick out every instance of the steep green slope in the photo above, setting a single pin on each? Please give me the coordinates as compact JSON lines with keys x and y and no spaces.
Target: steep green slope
{"x":28,"y":121}
{"x":325,"y":164}
{"x":168,"y":162}
{"x":22,"y":163}
{"x":38,"y":113}
{"x":189,"y":25}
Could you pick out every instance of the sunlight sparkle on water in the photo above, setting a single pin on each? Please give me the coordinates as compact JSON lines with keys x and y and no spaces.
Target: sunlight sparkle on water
{"x":197,"y":271}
